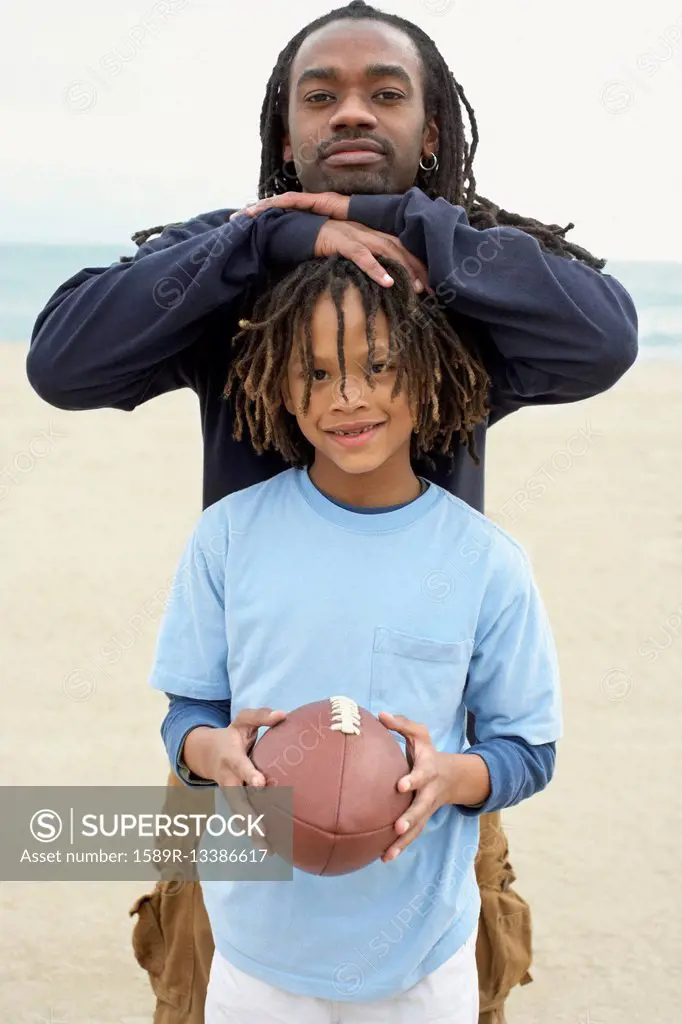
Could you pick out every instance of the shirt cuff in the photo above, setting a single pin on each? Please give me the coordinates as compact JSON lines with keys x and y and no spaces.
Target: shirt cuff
{"x":183,"y":772}
{"x":475,"y":810}
{"x":292,"y":237}
{"x":378,"y":212}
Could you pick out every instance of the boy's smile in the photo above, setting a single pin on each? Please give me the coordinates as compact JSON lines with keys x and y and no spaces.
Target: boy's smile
{"x":355,"y":434}
{"x":360,"y":433}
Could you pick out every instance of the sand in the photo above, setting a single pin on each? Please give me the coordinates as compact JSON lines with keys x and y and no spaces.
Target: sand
{"x":94,"y":509}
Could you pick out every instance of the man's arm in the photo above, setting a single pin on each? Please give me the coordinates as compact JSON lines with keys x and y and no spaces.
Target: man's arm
{"x":558,"y":331}
{"x":116,"y":336}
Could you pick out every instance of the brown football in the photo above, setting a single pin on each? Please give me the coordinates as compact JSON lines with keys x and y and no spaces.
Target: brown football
{"x":343,"y":765}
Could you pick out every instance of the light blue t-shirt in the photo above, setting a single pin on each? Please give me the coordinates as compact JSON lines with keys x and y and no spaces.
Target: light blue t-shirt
{"x":283,"y":597}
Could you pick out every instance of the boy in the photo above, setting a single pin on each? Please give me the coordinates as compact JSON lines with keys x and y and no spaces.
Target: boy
{"x":349,"y":573}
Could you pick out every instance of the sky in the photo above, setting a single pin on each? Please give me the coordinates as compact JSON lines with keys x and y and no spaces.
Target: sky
{"x":123,"y":115}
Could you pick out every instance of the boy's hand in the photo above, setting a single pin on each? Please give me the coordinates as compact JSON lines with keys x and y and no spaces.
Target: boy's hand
{"x":437,"y":779}
{"x":229,"y":761}
{"x":222,"y":755}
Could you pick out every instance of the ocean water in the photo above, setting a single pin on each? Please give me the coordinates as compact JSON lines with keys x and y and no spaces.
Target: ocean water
{"x":29,"y":274}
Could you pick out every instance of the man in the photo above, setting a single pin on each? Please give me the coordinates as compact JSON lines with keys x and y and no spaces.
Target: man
{"x":359,"y":105}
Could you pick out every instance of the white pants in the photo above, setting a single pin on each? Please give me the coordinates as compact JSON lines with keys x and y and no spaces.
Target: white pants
{"x":448,"y":995}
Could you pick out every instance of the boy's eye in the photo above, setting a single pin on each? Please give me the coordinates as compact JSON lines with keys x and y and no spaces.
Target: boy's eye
{"x":378,"y":368}
{"x":319,"y":374}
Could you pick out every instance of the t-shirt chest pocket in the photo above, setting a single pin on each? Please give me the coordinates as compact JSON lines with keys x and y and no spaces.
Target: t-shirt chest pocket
{"x":419,"y":678}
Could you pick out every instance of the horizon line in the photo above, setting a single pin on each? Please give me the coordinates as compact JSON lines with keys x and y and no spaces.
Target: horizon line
{"x":131,"y":244}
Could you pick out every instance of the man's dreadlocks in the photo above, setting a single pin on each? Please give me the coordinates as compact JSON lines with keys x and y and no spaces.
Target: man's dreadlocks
{"x":444,"y":97}
{"x":447,"y":386}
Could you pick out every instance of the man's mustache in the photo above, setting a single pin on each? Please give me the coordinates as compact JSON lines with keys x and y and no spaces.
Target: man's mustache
{"x":386,"y":146}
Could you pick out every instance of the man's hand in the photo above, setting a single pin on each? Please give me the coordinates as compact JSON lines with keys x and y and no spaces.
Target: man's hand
{"x":326,"y":204}
{"x":436,"y":779}
{"x":362,"y":245}
{"x":356,"y":242}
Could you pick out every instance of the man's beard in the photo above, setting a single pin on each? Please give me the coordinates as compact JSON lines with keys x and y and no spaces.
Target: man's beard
{"x":358,"y":182}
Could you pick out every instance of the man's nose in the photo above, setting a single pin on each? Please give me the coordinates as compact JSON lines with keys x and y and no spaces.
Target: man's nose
{"x":349,"y":394}
{"x":353,"y":112}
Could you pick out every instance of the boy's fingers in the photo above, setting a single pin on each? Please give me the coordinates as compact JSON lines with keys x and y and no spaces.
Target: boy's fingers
{"x":255,"y":718}
{"x":420,"y":810}
{"x":245,"y":771}
{"x":417,"y":779}
{"x":406,"y":838}
{"x":405,"y":726}
{"x":237,"y":799}
{"x":234,"y":791}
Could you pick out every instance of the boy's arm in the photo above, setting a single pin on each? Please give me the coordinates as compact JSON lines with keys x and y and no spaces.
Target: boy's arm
{"x":558,"y":330}
{"x":513,"y":688}
{"x":190,"y":664}
{"x":116,"y":336}
{"x":185,"y":714}
{"x":516,"y":770}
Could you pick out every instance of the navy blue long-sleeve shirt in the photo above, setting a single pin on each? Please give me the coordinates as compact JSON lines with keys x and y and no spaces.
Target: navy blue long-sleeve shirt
{"x":549,"y":329}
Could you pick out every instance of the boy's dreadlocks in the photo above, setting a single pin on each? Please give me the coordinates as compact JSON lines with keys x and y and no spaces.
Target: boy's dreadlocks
{"x":446,"y":384}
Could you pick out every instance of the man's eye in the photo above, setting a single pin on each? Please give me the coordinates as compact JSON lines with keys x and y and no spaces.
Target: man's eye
{"x":318,"y":97}
{"x":390,"y":94}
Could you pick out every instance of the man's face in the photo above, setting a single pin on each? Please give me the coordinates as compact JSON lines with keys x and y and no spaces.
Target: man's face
{"x":358,"y":83}
{"x":363,"y":429}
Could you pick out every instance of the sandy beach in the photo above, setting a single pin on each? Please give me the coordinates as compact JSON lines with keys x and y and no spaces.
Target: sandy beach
{"x":94,"y":510}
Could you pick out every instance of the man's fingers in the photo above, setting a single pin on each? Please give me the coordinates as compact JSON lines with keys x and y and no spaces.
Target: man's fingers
{"x":274,"y":202}
{"x":415,"y":268}
{"x":327,"y":204}
{"x":250,"y":210}
{"x":417,"y":275}
{"x":363,"y":258}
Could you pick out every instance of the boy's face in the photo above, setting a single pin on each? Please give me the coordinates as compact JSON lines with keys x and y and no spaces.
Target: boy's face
{"x":332,"y":422}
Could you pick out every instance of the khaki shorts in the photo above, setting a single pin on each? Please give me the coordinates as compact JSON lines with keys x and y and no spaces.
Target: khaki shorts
{"x":172,"y":938}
